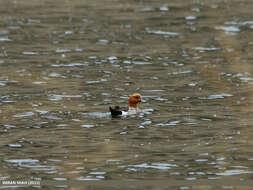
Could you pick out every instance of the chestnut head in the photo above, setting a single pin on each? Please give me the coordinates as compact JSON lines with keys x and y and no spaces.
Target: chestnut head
{"x":134,"y":100}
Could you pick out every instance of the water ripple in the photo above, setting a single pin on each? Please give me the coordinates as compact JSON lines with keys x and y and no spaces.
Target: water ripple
{"x":234,"y":172}
{"x":159,"y":166}
{"x":5,"y":39}
{"x":70,"y":65}
{"x":231,"y":30}
{"x":216,"y":96}
{"x":26,"y":114}
{"x":160,"y":32}
{"x":15,"y":145}
{"x":21,"y":161}
{"x":171,"y":123}
{"x":87,"y":126}
{"x":57,"y":97}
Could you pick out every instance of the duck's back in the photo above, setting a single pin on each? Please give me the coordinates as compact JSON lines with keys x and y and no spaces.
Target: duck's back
{"x":116,"y":111}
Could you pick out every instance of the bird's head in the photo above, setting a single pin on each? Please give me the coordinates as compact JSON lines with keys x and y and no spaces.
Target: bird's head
{"x":134,"y":100}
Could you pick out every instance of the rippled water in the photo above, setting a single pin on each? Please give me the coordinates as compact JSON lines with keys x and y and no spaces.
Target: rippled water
{"x":63,"y":63}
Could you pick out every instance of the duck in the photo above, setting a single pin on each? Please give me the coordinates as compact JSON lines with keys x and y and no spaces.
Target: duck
{"x":132,"y":108}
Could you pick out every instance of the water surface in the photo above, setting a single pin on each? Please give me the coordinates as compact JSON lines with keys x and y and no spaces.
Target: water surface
{"x":63,"y":63}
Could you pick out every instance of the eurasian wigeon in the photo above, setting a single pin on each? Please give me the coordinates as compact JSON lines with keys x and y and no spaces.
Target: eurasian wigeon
{"x":131,"y":109}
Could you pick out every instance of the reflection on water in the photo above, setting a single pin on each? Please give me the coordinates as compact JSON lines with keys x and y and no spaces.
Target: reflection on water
{"x":63,"y":63}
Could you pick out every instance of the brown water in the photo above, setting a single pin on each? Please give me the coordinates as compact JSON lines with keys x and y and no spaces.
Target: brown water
{"x":63,"y":63}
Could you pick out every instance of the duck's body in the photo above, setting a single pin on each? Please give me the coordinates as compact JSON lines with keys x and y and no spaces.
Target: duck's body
{"x":130,"y":110}
{"x":124,"y":111}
